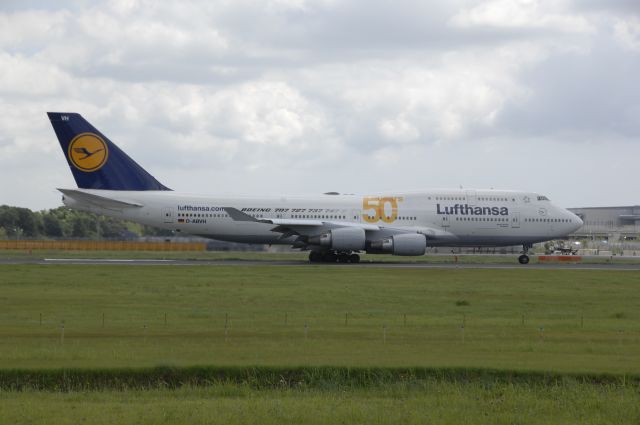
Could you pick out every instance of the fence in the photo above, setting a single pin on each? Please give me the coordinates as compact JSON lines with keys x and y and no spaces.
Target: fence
{"x":559,"y":258}
{"x":103,"y":245}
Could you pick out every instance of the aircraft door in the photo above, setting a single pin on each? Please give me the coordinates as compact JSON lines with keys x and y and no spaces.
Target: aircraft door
{"x":471,"y":197}
{"x":515,"y":219}
{"x":445,"y":221}
{"x":167,"y":215}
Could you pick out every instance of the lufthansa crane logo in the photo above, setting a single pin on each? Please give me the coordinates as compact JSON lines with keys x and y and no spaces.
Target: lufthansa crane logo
{"x":88,"y":152}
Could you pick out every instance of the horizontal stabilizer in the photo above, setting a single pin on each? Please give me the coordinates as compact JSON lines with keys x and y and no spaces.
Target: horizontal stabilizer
{"x":99,"y":200}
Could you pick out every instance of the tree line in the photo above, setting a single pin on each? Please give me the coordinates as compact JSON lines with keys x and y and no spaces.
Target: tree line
{"x":65,"y":223}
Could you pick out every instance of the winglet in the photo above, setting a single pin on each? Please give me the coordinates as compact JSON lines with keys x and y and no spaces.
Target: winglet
{"x":238,"y":215}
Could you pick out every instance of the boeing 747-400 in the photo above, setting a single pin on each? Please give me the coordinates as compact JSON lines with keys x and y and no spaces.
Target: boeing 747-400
{"x":333,"y":227}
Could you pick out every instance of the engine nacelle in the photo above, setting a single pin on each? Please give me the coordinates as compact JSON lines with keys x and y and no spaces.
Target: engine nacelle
{"x":342,"y":239}
{"x":403,"y":244}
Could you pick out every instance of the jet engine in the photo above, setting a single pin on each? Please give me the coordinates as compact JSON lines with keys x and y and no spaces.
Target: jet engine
{"x":402,"y":244}
{"x":341,"y":239}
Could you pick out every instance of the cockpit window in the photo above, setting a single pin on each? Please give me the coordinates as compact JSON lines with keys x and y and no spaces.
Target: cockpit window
{"x":542,"y":198}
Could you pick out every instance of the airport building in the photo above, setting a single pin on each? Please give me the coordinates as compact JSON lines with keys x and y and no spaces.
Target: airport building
{"x":616,"y":229}
{"x":609,"y":223}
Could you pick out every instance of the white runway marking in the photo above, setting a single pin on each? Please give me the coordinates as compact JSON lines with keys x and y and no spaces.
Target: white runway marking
{"x":252,"y":263}
{"x":106,"y":260}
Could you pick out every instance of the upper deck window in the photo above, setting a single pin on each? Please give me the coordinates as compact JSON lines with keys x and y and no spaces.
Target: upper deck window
{"x":542,"y":198}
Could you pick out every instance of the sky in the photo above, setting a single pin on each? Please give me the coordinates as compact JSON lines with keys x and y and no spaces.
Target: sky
{"x":275,"y":97}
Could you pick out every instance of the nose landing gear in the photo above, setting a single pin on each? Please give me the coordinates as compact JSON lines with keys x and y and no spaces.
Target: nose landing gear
{"x":524,"y":258}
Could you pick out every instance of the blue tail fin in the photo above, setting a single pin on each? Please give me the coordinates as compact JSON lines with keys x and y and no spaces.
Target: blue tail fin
{"x":96,"y":163}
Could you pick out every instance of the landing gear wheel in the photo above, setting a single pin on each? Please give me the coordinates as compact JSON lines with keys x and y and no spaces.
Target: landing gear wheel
{"x":343,"y":258}
{"x":329,"y":257}
{"x":333,"y":257}
{"x":523,"y":259}
{"x":315,"y":257}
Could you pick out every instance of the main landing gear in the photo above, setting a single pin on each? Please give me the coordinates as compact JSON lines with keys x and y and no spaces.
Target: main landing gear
{"x":333,"y":257}
{"x":524,"y":258}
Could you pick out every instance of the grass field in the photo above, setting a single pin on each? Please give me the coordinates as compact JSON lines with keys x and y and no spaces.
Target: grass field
{"x":570,"y":321}
{"x":577,"y":323}
{"x":431,"y":403}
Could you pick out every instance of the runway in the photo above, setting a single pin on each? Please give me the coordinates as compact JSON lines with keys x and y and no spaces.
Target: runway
{"x":255,"y":263}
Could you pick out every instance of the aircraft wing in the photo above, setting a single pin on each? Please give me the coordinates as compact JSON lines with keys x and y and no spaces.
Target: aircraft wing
{"x":98,"y":200}
{"x":290,"y":227}
{"x":238,"y":215}
{"x":325,"y":223}
{"x":296,"y":227}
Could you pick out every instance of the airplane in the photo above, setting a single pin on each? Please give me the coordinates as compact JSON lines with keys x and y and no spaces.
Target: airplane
{"x":333,"y":227}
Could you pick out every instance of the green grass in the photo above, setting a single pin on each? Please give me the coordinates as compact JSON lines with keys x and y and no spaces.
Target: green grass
{"x":567,"y":321}
{"x":315,"y":345}
{"x":330,"y":378}
{"x":432,"y":402}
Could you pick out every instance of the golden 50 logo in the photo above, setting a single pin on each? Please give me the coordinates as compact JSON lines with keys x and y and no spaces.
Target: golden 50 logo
{"x":88,"y":152}
{"x":380,"y":209}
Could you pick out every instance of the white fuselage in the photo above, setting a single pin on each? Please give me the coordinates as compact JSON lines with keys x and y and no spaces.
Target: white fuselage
{"x":454,"y":217}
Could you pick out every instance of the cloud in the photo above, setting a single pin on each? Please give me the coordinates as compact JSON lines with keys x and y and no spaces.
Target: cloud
{"x":29,"y":76}
{"x":30,"y":29}
{"x":310,"y":96}
{"x":399,"y":129}
{"x":522,"y":14}
{"x":422,"y":100}
{"x":627,"y":33}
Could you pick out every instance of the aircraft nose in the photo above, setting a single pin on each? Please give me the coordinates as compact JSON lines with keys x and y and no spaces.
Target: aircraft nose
{"x":577,"y":220}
